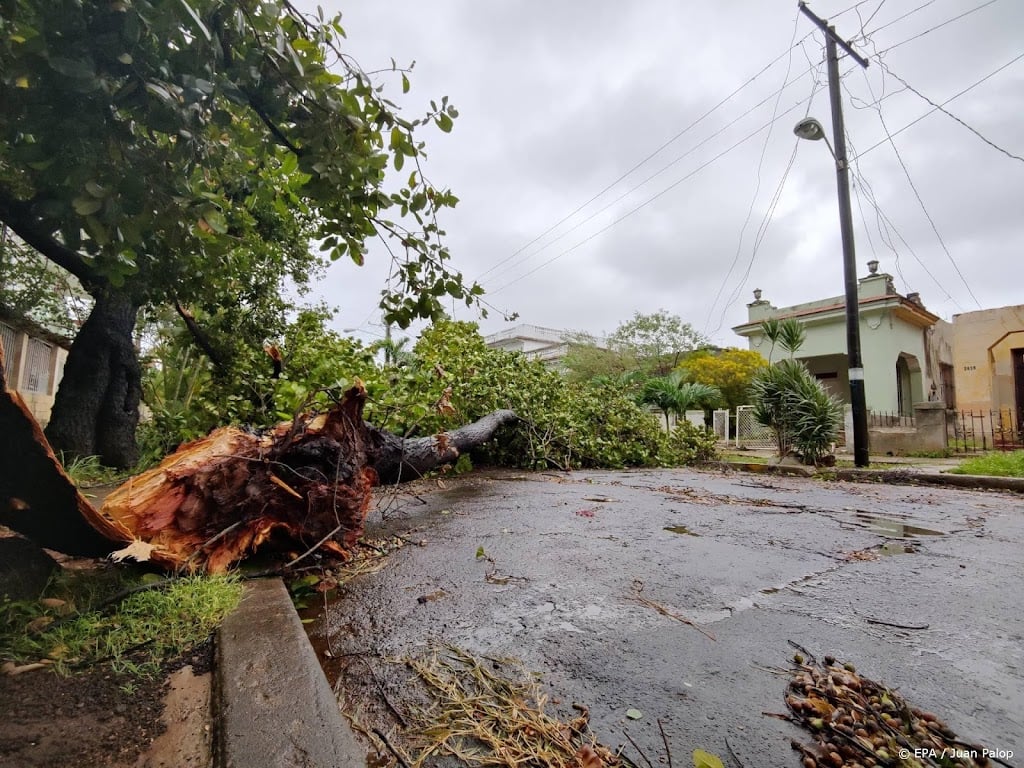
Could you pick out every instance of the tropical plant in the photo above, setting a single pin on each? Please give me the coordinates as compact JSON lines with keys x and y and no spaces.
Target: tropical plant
{"x":673,"y":395}
{"x":690,"y":444}
{"x":802,"y":413}
{"x":789,"y":334}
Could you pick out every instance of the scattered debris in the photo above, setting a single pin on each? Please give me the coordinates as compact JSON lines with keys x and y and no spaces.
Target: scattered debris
{"x":858,"y":722}
{"x":489,"y":712}
{"x":435,"y":595}
{"x":638,"y":587}
{"x":584,"y":513}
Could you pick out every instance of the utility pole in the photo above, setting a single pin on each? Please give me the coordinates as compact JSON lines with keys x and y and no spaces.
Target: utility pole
{"x":858,"y":400}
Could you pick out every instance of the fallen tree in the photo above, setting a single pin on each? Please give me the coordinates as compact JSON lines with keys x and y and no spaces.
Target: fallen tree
{"x":303,"y":485}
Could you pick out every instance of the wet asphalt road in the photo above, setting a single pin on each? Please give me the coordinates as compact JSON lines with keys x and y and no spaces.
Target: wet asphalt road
{"x":754,"y":561}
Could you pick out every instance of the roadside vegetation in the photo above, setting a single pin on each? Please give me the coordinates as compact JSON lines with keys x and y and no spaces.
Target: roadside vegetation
{"x":449,"y":377}
{"x":804,"y":416}
{"x":998,"y":464}
{"x":134,"y":624}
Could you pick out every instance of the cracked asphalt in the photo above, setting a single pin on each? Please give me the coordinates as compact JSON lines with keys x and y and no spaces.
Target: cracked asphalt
{"x":574,"y":568}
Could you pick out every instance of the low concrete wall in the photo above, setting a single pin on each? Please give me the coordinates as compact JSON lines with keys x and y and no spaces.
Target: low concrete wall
{"x":927,"y":435}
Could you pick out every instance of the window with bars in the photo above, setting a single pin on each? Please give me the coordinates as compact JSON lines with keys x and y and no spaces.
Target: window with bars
{"x":37,"y":369}
{"x":10,"y":340}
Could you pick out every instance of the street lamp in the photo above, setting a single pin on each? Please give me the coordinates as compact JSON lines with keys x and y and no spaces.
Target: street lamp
{"x":811,"y":129}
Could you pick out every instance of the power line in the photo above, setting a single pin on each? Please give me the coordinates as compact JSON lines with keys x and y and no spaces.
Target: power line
{"x":891,"y":226}
{"x":973,"y":130}
{"x":652,"y":176}
{"x":650,"y":200}
{"x":886,"y":226}
{"x":932,"y":29}
{"x":762,"y":230}
{"x":920,"y":200}
{"x":865,"y":22}
{"x":947,"y":101}
{"x":865,"y":35}
{"x":757,"y":184}
{"x":657,"y":151}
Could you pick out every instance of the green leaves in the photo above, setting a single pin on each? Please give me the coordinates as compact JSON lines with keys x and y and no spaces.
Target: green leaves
{"x":85,"y":206}
{"x":804,"y":416}
{"x":702,"y":759}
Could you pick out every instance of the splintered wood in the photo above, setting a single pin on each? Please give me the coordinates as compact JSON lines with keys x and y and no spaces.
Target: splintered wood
{"x":302,"y":485}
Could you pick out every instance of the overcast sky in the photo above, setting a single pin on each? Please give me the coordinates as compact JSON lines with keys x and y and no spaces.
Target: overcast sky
{"x":559,"y":99}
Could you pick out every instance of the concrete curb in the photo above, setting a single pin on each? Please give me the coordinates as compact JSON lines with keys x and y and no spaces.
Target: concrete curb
{"x":763,"y":469}
{"x":273,"y":707}
{"x":977,"y":482}
{"x":898,"y":476}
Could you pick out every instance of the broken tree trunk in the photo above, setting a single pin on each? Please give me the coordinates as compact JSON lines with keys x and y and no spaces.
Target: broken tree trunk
{"x":37,"y":498}
{"x":302,"y":485}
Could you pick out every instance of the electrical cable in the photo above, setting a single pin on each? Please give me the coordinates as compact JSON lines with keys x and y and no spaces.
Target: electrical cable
{"x":578,"y":209}
{"x":932,"y":29}
{"x":920,"y":200}
{"x":649,"y":200}
{"x":866,"y":35}
{"x":757,"y":184}
{"x":944,"y":103}
{"x":973,"y":130}
{"x":650,"y":178}
{"x":769,"y":215}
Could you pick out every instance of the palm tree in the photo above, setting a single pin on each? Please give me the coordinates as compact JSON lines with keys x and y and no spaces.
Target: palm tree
{"x":672,"y":394}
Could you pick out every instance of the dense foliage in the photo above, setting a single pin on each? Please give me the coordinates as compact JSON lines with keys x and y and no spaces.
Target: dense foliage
{"x":450,"y":378}
{"x":647,"y":344}
{"x":184,"y":154}
{"x":730,"y":371}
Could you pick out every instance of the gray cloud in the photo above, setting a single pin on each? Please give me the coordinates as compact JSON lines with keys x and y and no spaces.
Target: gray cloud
{"x":557,"y":100}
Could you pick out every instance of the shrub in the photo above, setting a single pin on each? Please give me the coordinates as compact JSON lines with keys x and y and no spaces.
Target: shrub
{"x":690,"y":444}
{"x":804,"y":416}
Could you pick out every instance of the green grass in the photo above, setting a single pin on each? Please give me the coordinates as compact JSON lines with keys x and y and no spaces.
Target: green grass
{"x":136,"y":635}
{"x":87,"y":471}
{"x":1001,"y":464}
{"x":744,"y":458}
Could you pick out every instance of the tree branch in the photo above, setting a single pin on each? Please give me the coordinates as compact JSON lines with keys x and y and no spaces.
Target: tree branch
{"x":198,"y":335}
{"x":18,"y":216}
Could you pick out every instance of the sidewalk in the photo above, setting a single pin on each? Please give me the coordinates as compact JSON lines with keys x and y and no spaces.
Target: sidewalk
{"x":933,"y":471}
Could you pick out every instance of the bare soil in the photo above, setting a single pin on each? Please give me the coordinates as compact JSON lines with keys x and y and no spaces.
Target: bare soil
{"x":99,"y":719}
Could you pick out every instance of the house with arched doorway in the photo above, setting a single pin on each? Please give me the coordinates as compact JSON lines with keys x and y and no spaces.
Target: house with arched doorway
{"x":906,"y":350}
{"x":988,"y":354}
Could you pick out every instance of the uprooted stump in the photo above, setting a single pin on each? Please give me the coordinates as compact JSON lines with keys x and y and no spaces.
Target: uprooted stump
{"x":304,"y":485}
{"x":216,"y":499}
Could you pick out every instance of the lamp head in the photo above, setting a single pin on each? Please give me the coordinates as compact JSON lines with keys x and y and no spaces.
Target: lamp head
{"x":810,"y":129}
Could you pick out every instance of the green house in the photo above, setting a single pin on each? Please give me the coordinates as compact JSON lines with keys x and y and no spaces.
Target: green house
{"x":905,"y":349}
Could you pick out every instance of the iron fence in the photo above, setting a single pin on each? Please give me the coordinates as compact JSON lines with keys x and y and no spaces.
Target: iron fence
{"x":984,"y":430}
{"x":890,"y":419}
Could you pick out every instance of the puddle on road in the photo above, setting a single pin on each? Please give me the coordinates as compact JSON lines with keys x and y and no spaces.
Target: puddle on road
{"x":895,"y":548}
{"x":681,"y":529}
{"x":893,"y":528}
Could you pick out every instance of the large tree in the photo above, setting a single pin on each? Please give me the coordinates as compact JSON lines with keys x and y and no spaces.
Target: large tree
{"x":657,"y":341}
{"x":182,"y":153}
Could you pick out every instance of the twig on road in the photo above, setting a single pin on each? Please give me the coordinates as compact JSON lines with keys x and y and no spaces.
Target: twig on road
{"x":638,"y":587}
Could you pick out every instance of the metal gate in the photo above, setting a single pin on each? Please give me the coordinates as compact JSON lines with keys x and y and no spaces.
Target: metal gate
{"x":750,"y":433}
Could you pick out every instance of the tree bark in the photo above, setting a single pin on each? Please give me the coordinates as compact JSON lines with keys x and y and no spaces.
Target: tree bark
{"x":96,"y":409}
{"x":398,"y":460}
